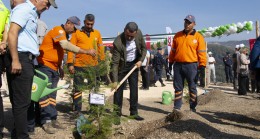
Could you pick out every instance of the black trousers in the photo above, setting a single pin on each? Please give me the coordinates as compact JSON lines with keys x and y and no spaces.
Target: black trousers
{"x":1,"y":109}
{"x":1,"y":115}
{"x":145,"y":76}
{"x":235,"y":80}
{"x":133,"y":84}
{"x":158,"y":75}
{"x":242,"y":86}
{"x":20,"y":86}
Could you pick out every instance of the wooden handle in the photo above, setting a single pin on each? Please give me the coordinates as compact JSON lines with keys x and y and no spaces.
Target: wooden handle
{"x":123,"y":80}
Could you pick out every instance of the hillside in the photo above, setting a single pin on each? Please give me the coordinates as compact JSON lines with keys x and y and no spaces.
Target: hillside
{"x":219,"y":51}
{"x":231,"y":44}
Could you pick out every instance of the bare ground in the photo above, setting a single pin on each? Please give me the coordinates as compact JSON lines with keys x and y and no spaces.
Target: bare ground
{"x":221,"y":113}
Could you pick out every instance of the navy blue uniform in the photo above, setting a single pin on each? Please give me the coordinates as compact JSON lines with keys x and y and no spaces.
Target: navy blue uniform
{"x":228,"y":68}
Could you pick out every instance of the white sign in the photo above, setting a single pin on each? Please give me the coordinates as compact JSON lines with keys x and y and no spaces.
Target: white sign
{"x":98,"y":99}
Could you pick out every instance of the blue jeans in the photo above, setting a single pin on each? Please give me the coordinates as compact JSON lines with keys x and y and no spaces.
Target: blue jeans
{"x":184,"y":71}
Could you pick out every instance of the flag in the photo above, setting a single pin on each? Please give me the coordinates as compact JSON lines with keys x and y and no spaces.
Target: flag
{"x":251,"y":43}
{"x":148,"y":42}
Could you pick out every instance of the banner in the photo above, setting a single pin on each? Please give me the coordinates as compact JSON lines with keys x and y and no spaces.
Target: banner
{"x":148,"y":42}
{"x":251,"y":43}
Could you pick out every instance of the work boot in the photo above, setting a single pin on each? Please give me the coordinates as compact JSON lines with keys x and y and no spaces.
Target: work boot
{"x":56,"y":124}
{"x":175,"y":115}
{"x":163,"y":85}
{"x":47,"y":127}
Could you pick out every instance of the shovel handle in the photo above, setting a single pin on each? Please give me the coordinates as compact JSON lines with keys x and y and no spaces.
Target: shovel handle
{"x":123,"y":80}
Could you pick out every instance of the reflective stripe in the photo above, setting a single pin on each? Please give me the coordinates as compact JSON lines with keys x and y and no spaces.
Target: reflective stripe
{"x":43,"y":102}
{"x":52,"y":100}
{"x":179,"y":97}
{"x":52,"y":103}
{"x":201,"y":50}
{"x":178,"y":93}
{"x":42,"y":106}
{"x":193,"y":95}
{"x":100,"y":45}
{"x":75,"y":94}
{"x":173,"y":49}
{"x":192,"y":99}
{"x":75,"y":97}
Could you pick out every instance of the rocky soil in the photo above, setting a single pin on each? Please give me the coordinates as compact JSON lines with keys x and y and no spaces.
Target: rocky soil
{"x":221,"y":113}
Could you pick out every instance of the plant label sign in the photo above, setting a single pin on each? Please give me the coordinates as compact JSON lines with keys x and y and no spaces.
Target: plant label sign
{"x":98,"y":99}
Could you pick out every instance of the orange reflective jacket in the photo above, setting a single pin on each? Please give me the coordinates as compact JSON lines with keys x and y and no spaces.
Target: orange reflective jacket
{"x":188,"y":48}
{"x":94,"y":41}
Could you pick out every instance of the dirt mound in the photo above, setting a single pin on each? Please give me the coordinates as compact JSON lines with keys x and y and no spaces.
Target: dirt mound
{"x":212,"y":96}
{"x":147,"y":128}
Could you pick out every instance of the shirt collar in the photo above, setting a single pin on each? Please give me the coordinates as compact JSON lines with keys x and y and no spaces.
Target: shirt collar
{"x":31,"y":5}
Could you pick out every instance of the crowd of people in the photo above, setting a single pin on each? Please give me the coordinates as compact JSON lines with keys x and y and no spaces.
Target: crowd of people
{"x":239,"y":69}
{"x":24,"y":49}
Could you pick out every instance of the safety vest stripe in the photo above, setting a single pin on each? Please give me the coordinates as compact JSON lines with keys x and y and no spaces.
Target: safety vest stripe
{"x":179,"y":97}
{"x":52,"y":100}
{"x":52,"y":103}
{"x":201,"y":51}
{"x":75,"y":97}
{"x":45,"y":105}
{"x":44,"y":102}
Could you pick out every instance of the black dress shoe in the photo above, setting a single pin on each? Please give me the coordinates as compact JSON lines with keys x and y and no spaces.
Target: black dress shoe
{"x":137,"y":117}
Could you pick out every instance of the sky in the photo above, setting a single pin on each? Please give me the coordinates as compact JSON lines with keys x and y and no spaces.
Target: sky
{"x":153,"y":16}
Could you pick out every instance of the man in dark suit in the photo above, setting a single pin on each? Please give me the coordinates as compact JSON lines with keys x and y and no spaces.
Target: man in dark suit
{"x":129,"y":49}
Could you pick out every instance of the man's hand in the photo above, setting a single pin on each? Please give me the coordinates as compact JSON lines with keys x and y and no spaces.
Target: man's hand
{"x":71,"y":69}
{"x":138,"y":64}
{"x":91,"y":52}
{"x":113,"y":85}
{"x":16,"y":67}
{"x":2,"y":48}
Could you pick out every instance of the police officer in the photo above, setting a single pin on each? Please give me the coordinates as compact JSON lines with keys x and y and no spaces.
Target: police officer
{"x":228,"y":67}
{"x":158,"y":64}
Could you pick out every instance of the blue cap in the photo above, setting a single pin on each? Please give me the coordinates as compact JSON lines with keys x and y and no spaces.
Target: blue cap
{"x":191,"y":18}
{"x":75,"y":20}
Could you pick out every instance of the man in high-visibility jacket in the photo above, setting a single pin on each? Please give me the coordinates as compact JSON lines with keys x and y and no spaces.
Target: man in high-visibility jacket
{"x":189,"y":53}
{"x":4,"y":13}
{"x":87,"y":38}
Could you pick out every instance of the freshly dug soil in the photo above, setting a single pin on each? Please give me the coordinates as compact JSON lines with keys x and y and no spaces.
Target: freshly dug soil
{"x":220,"y":114}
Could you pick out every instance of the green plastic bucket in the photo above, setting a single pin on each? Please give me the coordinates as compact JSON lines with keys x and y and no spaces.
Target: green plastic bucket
{"x":167,"y":97}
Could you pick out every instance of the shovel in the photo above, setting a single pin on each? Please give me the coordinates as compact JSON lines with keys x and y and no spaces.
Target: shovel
{"x":123,"y":80}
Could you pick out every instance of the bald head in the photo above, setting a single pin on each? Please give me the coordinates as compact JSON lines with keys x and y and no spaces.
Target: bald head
{"x":14,"y":3}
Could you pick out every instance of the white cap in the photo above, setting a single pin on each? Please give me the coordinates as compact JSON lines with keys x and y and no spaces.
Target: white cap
{"x":237,"y":46}
{"x":241,"y":45}
{"x":210,"y":53}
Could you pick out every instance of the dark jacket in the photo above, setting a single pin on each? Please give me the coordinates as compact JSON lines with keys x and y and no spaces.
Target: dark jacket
{"x":255,"y":55}
{"x":119,"y":53}
{"x":159,"y":61}
{"x":227,"y":61}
